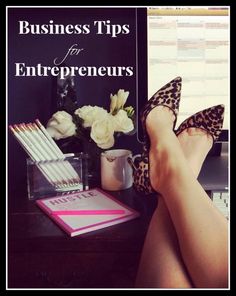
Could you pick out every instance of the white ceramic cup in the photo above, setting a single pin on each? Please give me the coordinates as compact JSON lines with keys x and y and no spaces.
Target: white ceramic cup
{"x":116,"y":172}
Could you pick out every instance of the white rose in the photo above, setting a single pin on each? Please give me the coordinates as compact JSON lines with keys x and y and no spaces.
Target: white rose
{"x":102,"y":132}
{"x":122,"y":123}
{"x":118,"y":100}
{"x":61,"y":126}
{"x":90,"y":114}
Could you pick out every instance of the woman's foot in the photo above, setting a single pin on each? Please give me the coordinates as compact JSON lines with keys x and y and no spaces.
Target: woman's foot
{"x":159,"y":124}
{"x":195,"y":143}
{"x":160,"y":119}
{"x":163,"y":103}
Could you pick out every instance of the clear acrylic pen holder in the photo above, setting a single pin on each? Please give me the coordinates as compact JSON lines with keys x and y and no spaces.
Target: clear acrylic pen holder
{"x":54,"y":177}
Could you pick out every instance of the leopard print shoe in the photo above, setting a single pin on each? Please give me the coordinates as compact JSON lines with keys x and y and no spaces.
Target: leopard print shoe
{"x":210,"y":120}
{"x":169,"y":96}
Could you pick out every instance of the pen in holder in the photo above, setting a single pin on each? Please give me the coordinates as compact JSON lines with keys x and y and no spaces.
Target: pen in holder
{"x":47,"y":178}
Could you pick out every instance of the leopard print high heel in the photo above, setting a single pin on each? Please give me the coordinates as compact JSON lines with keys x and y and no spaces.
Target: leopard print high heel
{"x":169,"y":96}
{"x":210,"y":120}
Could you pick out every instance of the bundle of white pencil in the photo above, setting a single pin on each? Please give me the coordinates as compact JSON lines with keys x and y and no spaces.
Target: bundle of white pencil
{"x":42,"y":149}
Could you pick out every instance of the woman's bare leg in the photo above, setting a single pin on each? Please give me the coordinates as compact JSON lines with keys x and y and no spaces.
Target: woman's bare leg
{"x":161,"y":264}
{"x":201,"y":229}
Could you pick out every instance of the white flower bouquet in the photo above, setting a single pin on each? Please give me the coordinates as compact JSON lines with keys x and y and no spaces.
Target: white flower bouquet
{"x":93,"y":123}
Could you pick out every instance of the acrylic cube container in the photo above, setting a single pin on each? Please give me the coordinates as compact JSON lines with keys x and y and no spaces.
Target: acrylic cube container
{"x":56,"y":177}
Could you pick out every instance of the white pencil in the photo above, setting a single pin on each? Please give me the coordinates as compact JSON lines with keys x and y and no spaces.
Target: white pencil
{"x":55,"y":148}
{"x":44,"y":143}
{"x":37,"y":156}
{"x":45,"y":152}
{"x":33,"y":156}
{"x":41,"y":153}
{"x":68,"y":168}
{"x":40,"y":158}
{"x":41,"y":148}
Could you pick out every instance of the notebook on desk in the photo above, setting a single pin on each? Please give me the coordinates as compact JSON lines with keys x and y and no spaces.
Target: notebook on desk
{"x":86,"y":211}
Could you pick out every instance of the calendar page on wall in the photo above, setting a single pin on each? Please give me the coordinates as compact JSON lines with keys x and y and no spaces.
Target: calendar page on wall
{"x":191,"y":42}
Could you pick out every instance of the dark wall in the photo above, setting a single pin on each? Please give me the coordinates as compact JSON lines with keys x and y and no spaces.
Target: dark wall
{"x":33,"y":97}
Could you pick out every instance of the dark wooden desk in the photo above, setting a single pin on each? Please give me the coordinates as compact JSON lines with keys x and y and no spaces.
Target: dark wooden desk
{"x":41,"y":255}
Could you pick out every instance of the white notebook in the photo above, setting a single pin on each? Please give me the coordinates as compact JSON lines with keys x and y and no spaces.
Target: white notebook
{"x":86,"y":211}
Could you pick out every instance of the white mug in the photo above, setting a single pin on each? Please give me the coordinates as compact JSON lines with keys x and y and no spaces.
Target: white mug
{"x":116,"y":172}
